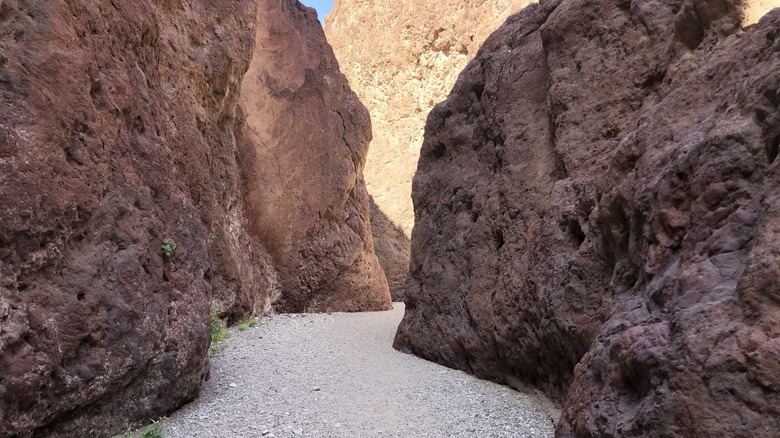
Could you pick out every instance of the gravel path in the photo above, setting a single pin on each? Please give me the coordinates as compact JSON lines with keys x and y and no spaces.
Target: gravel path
{"x":337,"y":375}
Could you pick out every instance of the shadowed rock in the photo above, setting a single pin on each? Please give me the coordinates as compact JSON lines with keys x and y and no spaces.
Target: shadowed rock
{"x":392,"y":248}
{"x":596,"y":214}
{"x":115,"y":134}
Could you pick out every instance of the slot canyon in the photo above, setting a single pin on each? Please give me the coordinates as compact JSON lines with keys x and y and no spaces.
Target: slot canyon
{"x":494,"y":218}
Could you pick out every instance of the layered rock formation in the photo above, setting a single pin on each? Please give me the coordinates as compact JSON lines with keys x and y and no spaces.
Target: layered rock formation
{"x":302,"y":149}
{"x":117,"y":124}
{"x":401,"y":58}
{"x":597,"y":213}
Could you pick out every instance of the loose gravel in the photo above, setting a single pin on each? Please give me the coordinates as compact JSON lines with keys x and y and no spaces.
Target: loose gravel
{"x":337,"y":375}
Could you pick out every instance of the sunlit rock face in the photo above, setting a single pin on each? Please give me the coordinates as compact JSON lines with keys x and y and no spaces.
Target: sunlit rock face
{"x":401,"y":58}
{"x":755,"y":9}
{"x":597,"y":213}
{"x":302,"y":143}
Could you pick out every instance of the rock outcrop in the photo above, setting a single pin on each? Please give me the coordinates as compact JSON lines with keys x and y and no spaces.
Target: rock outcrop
{"x":597,"y":213}
{"x":117,"y":124}
{"x":302,"y":145}
{"x":401,"y":58}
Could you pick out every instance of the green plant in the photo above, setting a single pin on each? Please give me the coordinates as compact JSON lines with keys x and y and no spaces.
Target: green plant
{"x":219,"y":333}
{"x":247,"y":323}
{"x":168,"y":247}
{"x":211,"y":238}
{"x":152,"y":432}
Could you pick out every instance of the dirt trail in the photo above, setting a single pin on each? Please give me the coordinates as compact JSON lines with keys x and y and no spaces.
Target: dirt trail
{"x":336,"y":375}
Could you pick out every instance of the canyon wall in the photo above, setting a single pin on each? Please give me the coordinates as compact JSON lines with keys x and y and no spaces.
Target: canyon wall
{"x":302,"y":148}
{"x":117,"y":133}
{"x":597,"y":213}
{"x":401,"y":58}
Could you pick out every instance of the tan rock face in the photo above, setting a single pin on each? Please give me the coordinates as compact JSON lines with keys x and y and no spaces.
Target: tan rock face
{"x":597,"y":213}
{"x":401,"y":58}
{"x":755,"y":9}
{"x":117,"y":133}
{"x":302,"y":144}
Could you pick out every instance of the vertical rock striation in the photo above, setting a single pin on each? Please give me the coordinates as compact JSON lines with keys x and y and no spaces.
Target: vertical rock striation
{"x":401,"y":57}
{"x":117,"y":132}
{"x":302,"y":143}
{"x":596,"y":214}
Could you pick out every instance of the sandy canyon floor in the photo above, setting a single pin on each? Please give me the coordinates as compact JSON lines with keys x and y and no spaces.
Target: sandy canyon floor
{"x":337,"y":375}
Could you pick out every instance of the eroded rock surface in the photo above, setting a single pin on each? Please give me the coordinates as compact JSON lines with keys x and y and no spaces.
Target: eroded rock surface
{"x":401,"y":58}
{"x":117,"y":132}
{"x":303,"y":147}
{"x":597,"y":213}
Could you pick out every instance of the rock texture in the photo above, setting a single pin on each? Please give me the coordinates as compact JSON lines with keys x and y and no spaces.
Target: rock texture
{"x":115,"y":133}
{"x":117,"y":124}
{"x":392,"y":248}
{"x":302,"y":145}
{"x":597,"y":213}
{"x":401,"y":58}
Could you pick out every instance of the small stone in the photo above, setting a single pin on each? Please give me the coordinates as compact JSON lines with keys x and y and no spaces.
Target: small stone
{"x":316,"y":388}
{"x":265,"y":432}
{"x":298,"y":431}
{"x":232,"y":385}
{"x":337,"y":425}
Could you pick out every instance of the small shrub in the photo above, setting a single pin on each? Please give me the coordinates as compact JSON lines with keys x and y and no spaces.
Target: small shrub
{"x":168,"y":247}
{"x":152,"y":432}
{"x":211,"y":238}
{"x":219,"y":333}
{"x":247,"y":323}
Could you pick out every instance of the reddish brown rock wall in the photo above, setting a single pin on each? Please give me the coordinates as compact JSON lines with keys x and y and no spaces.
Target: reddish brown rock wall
{"x":115,"y":133}
{"x":303,"y":146}
{"x":117,"y":123}
{"x":596,"y":214}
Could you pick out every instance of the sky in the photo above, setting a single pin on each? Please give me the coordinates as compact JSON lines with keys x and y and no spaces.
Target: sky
{"x":323,"y":7}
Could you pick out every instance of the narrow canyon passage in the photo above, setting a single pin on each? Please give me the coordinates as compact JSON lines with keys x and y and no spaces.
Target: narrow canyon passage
{"x":337,"y":375}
